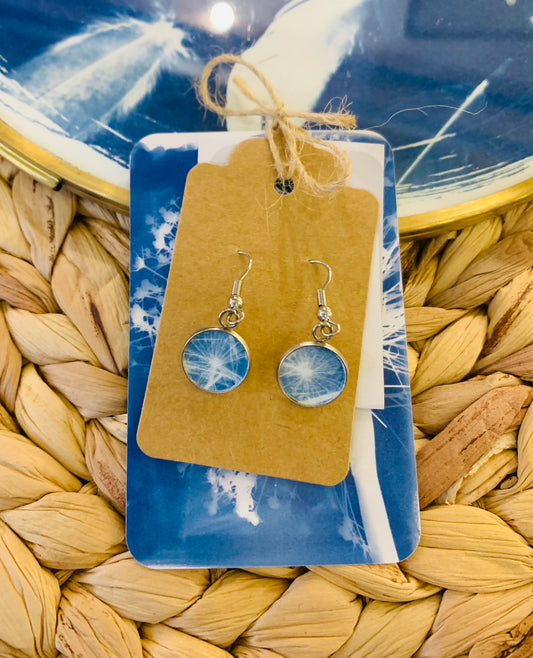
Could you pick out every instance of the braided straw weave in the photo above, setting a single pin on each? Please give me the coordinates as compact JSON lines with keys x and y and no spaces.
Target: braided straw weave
{"x":68,"y":585}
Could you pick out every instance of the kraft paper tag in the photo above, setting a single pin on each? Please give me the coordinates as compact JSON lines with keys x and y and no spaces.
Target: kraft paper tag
{"x":256,"y":428}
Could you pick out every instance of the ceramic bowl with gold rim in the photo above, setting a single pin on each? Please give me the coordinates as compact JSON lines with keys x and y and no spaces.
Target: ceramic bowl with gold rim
{"x":79,"y":88}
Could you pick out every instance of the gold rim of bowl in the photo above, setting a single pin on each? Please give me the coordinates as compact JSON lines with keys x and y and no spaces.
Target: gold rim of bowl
{"x":55,"y":172}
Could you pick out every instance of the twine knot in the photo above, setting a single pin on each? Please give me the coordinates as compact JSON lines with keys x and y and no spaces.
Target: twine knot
{"x":285,"y":138}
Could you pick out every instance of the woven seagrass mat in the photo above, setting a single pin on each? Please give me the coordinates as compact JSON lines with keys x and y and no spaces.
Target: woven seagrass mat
{"x":69,"y":587}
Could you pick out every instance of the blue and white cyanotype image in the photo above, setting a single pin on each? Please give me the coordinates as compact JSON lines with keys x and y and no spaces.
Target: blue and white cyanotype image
{"x":312,"y":374}
{"x":448,"y":84}
{"x":216,"y":360}
{"x":204,"y":516}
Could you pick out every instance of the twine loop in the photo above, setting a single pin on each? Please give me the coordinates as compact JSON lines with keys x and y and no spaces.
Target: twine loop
{"x":285,"y":138}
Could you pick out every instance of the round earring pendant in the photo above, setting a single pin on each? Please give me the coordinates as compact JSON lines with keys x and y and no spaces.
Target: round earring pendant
{"x":312,"y":374}
{"x":216,"y":360}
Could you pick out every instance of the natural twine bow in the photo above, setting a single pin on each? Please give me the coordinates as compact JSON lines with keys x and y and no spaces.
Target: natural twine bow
{"x":285,"y":138}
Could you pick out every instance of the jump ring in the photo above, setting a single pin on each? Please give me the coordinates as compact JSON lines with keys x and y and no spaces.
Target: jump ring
{"x":230,"y":318}
{"x":325,"y":330}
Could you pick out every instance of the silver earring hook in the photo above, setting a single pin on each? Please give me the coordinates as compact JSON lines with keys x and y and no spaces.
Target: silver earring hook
{"x":237,"y":284}
{"x":230,"y":317}
{"x":326,"y":328}
{"x":330,"y":273}
{"x":321,"y":292}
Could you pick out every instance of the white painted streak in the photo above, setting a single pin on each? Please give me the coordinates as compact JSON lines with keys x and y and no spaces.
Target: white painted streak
{"x":236,"y":488}
{"x":111,"y":130}
{"x":330,"y":33}
{"x":478,"y":91}
{"x":423,"y":142}
{"x":439,"y":174}
{"x":364,"y":470}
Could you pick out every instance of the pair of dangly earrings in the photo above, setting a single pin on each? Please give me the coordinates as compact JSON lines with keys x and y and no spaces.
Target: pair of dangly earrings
{"x":312,"y":374}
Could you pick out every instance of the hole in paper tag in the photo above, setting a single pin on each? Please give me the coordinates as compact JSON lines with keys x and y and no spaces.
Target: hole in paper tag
{"x":284,"y":186}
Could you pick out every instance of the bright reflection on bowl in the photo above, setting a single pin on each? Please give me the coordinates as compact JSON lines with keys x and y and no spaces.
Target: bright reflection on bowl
{"x":222,"y":16}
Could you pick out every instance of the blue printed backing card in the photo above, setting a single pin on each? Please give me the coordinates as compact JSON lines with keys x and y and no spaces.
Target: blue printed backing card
{"x":186,"y":515}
